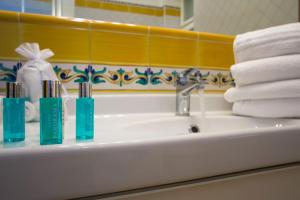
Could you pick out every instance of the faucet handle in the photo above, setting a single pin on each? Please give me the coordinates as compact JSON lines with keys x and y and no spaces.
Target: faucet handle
{"x":191,"y":71}
{"x":181,"y":79}
{"x":189,"y":75}
{"x":196,"y":76}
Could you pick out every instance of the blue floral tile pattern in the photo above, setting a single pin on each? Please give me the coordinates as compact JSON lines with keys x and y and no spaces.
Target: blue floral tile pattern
{"x":123,"y":77}
{"x":119,"y":77}
{"x":8,"y":74}
{"x":219,"y":79}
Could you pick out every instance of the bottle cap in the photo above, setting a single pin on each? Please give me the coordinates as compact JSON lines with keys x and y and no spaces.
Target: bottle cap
{"x":51,"y":89}
{"x":13,"y":90}
{"x":85,"y":89}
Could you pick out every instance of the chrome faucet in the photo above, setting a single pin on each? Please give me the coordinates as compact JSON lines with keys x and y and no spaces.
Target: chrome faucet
{"x":186,"y":82}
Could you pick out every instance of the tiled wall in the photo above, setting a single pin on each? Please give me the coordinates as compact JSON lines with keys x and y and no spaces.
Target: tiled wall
{"x":113,"y":56}
{"x":125,"y":12}
{"x":239,"y":16}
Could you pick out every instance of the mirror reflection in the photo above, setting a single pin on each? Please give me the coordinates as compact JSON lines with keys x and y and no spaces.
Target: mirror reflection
{"x":216,"y":16}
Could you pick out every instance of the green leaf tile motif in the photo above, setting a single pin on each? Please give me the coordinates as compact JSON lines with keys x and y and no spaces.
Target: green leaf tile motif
{"x":8,"y":74}
{"x":120,"y":76}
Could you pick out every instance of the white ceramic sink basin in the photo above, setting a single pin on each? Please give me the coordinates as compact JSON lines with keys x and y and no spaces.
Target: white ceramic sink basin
{"x":135,"y":150}
{"x":118,"y":128}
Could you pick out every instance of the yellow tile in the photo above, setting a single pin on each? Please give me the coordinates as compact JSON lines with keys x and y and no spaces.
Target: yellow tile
{"x":160,"y":31}
{"x":172,"y":11}
{"x":117,"y":6}
{"x":167,"y":51}
{"x":115,"y":43}
{"x":8,"y":16}
{"x":9,"y":35}
{"x":215,"y":54}
{"x":118,"y":27}
{"x":159,"y":12}
{"x":114,"y":6}
{"x":67,"y":37}
{"x":56,"y":21}
{"x":118,"y":48}
{"x":92,"y":4}
{"x":123,"y":7}
{"x":142,"y":10}
{"x":170,"y":47}
{"x":216,"y":37}
{"x":80,"y":3}
{"x":68,"y":44}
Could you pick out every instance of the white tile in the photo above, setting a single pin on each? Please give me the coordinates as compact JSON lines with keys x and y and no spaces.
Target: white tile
{"x":245,"y":15}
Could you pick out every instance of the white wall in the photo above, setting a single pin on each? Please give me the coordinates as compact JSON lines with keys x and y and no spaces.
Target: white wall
{"x":175,"y":3}
{"x":239,"y":16}
{"x":68,"y":8}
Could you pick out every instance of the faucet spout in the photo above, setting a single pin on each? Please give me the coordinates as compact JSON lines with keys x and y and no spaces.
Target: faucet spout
{"x":188,"y":90}
{"x":187,"y":81}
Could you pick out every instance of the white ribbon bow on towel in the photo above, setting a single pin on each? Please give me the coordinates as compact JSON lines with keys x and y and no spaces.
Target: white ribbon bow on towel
{"x":37,"y":59}
{"x":34,"y":71}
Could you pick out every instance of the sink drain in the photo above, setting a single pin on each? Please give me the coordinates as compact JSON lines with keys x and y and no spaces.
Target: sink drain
{"x":194,"y":129}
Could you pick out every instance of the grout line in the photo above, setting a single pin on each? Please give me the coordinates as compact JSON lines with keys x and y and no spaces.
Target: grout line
{"x":215,"y":42}
{"x":122,"y":32}
{"x":198,"y":57}
{"x":90,"y":42}
{"x":175,"y":37}
{"x":20,"y":33}
{"x":148,"y":46}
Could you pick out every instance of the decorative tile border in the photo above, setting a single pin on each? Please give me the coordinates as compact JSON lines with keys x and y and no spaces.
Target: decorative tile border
{"x":109,"y":77}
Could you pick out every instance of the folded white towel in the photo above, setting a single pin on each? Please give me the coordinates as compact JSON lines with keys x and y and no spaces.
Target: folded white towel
{"x":270,"y":90}
{"x":265,"y":70}
{"x":270,"y":42}
{"x":272,"y":108}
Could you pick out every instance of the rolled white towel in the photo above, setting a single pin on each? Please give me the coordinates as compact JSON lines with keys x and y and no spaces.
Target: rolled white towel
{"x":37,"y":109}
{"x":268,"y":108}
{"x":270,"y":90}
{"x":30,"y":111}
{"x":265,"y":43}
{"x":266,"y":70}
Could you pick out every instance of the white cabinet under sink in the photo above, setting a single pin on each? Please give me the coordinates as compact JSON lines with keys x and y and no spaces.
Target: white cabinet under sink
{"x":274,"y":184}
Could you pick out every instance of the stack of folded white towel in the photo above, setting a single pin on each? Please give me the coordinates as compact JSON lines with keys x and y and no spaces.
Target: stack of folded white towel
{"x":267,"y":73}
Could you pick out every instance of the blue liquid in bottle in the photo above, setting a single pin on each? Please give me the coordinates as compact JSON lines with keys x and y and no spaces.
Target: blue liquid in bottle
{"x":13,"y":119}
{"x":51,"y":124}
{"x":84,"y":118}
{"x":51,"y":121}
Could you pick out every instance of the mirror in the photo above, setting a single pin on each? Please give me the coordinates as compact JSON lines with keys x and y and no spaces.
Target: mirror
{"x":216,"y":16}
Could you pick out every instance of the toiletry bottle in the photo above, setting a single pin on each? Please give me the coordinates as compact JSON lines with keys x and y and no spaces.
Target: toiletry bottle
{"x":51,"y":113}
{"x":13,"y":114}
{"x":85,"y":113}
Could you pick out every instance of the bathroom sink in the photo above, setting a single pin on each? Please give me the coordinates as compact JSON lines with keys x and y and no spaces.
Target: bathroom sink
{"x":118,"y":128}
{"x":135,"y":149}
